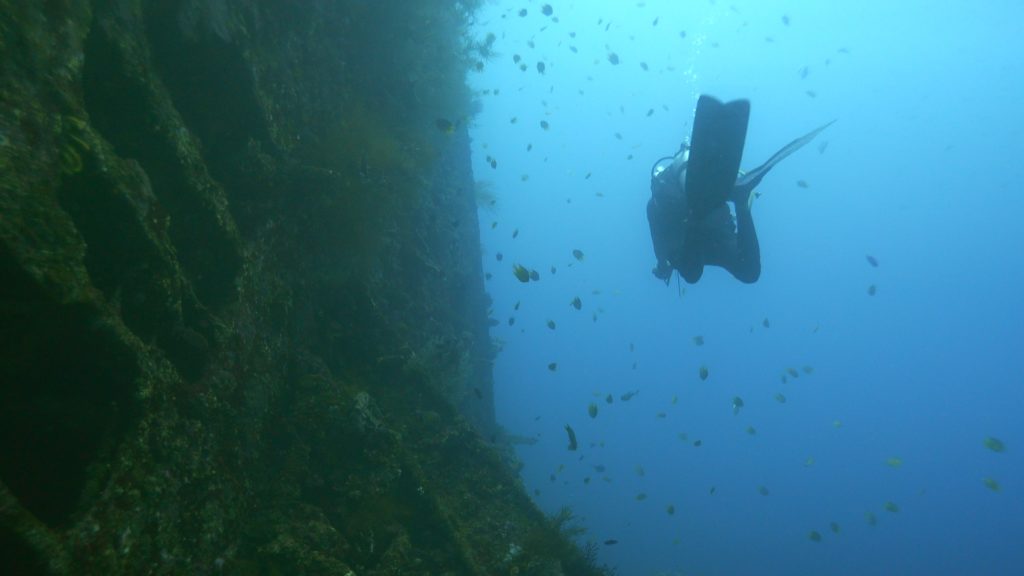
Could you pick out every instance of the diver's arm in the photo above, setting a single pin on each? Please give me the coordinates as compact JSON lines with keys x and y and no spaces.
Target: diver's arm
{"x":656,"y":220}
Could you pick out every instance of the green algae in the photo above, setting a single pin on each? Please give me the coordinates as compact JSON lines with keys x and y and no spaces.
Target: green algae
{"x":240,"y":305}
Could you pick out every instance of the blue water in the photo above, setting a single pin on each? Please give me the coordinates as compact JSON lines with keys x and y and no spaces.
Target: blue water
{"x":922,"y":170}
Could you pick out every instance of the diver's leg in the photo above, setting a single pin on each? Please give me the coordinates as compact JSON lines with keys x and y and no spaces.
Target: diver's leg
{"x":746,"y":266}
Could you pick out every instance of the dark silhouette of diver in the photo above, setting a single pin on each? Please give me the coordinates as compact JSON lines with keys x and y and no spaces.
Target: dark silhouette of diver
{"x":691,"y":224}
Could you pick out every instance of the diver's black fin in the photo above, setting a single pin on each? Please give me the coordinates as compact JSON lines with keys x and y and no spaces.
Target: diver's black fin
{"x":750,"y":179}
{"x":716,"y":149}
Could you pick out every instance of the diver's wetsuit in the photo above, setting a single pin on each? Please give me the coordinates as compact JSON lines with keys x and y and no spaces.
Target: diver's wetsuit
{"x":688,"y":238}
{"x":687,"y":243}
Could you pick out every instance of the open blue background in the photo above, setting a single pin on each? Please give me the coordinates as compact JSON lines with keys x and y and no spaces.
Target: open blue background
{"x":922,"y":170}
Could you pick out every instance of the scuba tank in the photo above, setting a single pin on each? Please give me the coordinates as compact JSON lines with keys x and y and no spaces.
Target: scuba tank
{"x":668,"y":177}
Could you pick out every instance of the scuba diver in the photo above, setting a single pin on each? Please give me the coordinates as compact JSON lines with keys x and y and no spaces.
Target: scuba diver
{"x":691,"y":224}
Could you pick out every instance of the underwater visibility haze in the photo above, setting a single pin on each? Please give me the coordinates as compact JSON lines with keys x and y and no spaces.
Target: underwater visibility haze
{"x":856,"y":410}
{"x":368,"y":288}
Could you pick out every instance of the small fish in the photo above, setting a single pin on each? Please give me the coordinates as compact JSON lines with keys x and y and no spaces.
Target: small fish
{"x":445,"y":125}
{"x":553,"y":366}
{"x":801,"y":183}
{"x":516,"y":307}
{"x":629,"y":395}
{"x":670,"y":509}
{"x":655,"y":23}
{"x":872,"y":260}
{"x":521,"y":273}
{"x":807,"y":369}
{"x":763,"y":491}
{"x":534,"y":275}
{"x":516,"y":58}
{"x":891,"y":507}
{"x":698,"y":443}
{"x":837,"y":424}
{"x":613,"y":58}
{"x":511,"y":320}
{"x":609,"y":399}
{"x":894,"y":462}
{"x":576,"y":303}
{"x":544,"y":124}
{"x":611,"y":542}
{"x":639,"y":471}
{"x":592,"y":410}
{"x":703,"y":372}
{"x":698,"y":340}
{"x":870,"y":518}
{"x":650,"y":112}
{"x":712,"y":491}
{"x":498,"y":256}
{"x":641,"y":497}
{"x":737,"y":403}
{"x":577,"y":253}
{"x":766,"y":323}
{"x":551,"y":324}
{"x":809,"y":462}
{"x":751,"y":430}
{"x":572,"y":437}
{"x":547,"y":10}
{"x":682,"y":33}
{"x":515,"y":233}
{"x":803,"y":72}
{"x":541,"y":67}
{"x":792,"y":372}
{"x":785,"y":20}
{"x":872,"y":290}
{"x":811,"y":94}
{"x":991,"y":484}
{"x":522,"y":13}
{"x":834,"y":527}
{"x":814,"y":536}
{"x":644,"y":66}
{"x":995,"y":444}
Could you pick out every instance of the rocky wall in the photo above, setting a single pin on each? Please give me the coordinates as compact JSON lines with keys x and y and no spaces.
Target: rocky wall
{"x":243,"y":327}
